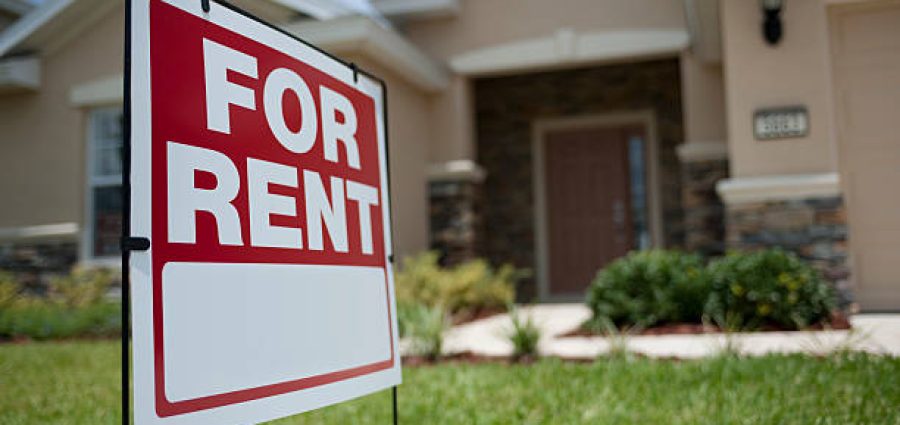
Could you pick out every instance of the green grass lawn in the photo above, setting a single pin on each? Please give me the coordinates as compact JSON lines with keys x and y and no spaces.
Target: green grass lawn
{"x":78,"y":383}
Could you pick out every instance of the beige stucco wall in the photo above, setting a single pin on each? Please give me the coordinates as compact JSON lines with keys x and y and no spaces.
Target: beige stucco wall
{"x":703,"y":101}
{"x":42,"y":135}
{"x":795,"y":72}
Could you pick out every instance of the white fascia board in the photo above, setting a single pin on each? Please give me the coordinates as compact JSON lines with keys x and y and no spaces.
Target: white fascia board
{"x":43,"y":231}
{"x":417,"y":9}
{"x":456,"y":170}
{"x":104,"y":91}
{"x":566,"y":48}
{"x":31,"y":22}
{"x":20,"y":73}
{"x":361,"y":35}
{"x":739,"y":190}
{"x":18,"y":7}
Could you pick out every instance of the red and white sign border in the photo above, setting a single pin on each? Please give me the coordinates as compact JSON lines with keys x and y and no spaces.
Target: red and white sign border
{"x":139,"y":266}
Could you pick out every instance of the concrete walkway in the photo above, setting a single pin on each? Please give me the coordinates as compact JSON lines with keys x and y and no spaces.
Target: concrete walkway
{"x":875,"y":333}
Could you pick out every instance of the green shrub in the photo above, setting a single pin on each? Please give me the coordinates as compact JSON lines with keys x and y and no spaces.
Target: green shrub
{"x":769,"y":287}
{"x":524,"y":335}
{"x":652,"y":287}
{"x":76,"y":306}
{"x":466,"y":288}
{"x":425,"y":326}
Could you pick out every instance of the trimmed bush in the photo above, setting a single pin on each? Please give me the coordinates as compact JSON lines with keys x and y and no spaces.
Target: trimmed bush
{"x":652,"y":287}
{"x":464,"y":289}
{"x":770,"y":287}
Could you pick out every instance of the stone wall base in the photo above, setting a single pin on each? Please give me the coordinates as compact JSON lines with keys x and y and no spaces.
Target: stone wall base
{"x":814,"y":228}
{"x":35,"y":263}
{"x":704,"y":213}
{"x":455,"y":220}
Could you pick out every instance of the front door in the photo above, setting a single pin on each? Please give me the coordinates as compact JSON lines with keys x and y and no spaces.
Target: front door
{"x":588,"y":202}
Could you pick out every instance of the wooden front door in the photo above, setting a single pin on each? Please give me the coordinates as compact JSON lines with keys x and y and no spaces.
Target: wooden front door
{"x":587,"y":204}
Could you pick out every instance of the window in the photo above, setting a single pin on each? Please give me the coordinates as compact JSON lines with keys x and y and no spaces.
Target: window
{"x":639,"y":209}
{"x":104,"y":179}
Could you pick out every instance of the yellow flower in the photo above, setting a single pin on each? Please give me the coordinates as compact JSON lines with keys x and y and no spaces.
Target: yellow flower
{"x":737,"y":289}
{"x":763,"y":309}
{"x":783,"y":278}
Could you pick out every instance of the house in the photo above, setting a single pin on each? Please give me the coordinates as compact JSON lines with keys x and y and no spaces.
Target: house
{"x":554,"y":135}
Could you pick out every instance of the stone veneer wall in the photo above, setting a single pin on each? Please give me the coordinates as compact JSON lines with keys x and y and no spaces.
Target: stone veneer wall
{"x":507,"y":106}
{"x":455,"y":215}
{"x":814,"y":228}
{"x":704,"y":213}
{"x":33,"y":263}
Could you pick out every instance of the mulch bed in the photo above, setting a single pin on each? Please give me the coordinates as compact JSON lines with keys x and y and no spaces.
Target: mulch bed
{"x":471,"y":316}
{"x":470,"y":358}
{"x":839,"y":321}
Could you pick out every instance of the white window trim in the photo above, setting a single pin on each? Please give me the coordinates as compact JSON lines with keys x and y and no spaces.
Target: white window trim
{"x":87,"y":256}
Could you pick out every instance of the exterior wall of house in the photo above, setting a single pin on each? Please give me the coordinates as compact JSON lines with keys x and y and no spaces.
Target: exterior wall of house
{"x":42,"y":168}
{"x":461,"y":207}
{"x":785,"y":192}
{"x":43,"y":161}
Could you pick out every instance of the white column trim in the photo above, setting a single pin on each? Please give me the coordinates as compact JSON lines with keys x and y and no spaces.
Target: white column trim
{"x":456,"y":170}
{"x":55,"y":230}
{"x":567,"y":47}
{"x":740,"y":190}
{"x":20,"y":73}
{"x":103,"y":91}
{"x":702,"y":151}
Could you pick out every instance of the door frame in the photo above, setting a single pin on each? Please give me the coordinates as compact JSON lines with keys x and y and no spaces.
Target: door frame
{"x":539,"y":129}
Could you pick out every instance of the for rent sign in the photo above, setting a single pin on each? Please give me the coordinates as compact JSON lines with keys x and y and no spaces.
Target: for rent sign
{"x":259,"y":174}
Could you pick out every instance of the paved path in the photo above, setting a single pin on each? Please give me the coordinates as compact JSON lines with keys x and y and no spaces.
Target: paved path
{"x":876,"y":333}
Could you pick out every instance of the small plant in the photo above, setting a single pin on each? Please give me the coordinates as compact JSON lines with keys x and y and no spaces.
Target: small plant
{"x":650,"y":287}
{"x":524,"y":334}
{"x":770,"y":287}
{"x":839,"y":343}
{"x":425,"y":326}
{"x":616,"y":338}
{"x":731,"y":325}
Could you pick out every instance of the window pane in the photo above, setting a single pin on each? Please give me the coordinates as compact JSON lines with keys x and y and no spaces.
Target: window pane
{"x":107,"y":142}
{"x":107,"y":220}
{"x":637,"y":162}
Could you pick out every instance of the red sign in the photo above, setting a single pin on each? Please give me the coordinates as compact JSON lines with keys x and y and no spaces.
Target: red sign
{"x":259,"y":175}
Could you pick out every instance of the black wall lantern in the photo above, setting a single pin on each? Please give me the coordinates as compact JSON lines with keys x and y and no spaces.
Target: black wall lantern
{"x":772,"y":20}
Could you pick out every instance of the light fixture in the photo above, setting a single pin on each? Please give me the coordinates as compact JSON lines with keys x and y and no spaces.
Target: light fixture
{"x":772,"y":20}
